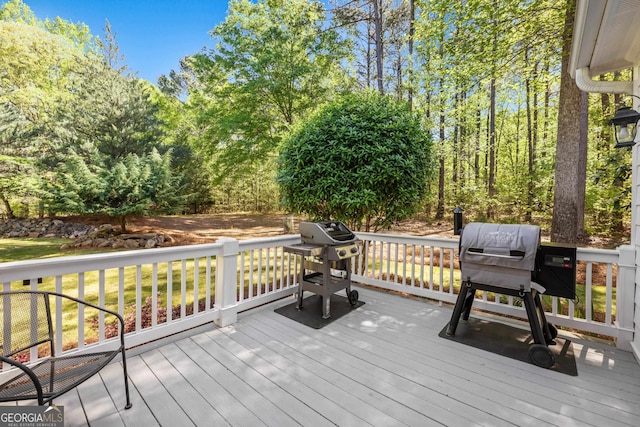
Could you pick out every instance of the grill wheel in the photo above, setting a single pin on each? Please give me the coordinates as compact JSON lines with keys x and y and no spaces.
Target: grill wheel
{"x":541,"y":355}
{"x":353,"y":297}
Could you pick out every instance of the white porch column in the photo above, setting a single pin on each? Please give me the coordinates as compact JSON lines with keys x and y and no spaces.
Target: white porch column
{"x":226,"y":282}
{"x":635,"y":240}
{"x":625,"y":290}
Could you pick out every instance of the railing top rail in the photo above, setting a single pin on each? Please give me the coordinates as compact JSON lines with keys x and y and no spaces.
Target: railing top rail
{"x":268,"y":242}
{"x":598,"y":255}
{"x":403,"y":238}
{"x":19,"y":270}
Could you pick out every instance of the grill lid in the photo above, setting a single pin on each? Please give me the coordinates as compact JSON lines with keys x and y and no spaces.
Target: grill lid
{"x":507,"y":245}
{"x":326,"y":233}
{"x":503,"y":255}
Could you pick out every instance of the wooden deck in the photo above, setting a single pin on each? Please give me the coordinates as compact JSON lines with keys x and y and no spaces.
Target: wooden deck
{"x":382,"y":364}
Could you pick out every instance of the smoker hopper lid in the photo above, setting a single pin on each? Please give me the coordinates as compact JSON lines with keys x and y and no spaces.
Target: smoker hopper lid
{"x":503,"y":245}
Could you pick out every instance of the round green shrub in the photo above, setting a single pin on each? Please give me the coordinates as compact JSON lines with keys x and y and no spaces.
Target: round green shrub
{"x":363,"y":159}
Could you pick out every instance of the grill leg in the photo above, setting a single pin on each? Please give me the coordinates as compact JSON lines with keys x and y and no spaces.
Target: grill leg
{"x":326,"y":306}
{"x":468,"y":302}
{"x":300,"y":281}
{"x":465,"y":291}
{"x":549,"y":331}
{"x":536,"y":317}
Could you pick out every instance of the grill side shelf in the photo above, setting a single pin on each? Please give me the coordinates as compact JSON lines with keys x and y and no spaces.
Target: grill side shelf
{"x":318,"y":279}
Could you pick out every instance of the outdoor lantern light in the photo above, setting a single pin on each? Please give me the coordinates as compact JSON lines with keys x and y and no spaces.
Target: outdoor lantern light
{"x":625,"y":124}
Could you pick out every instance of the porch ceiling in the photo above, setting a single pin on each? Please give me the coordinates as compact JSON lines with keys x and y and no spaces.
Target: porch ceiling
{"x":606,"y":36}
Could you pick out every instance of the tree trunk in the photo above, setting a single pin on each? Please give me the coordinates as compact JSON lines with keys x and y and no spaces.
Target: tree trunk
{"x":492,"y":148}
{"x":605,"y":101}
{"x":476,"y":157}
{"x":528,"y":213}
{"x":569,"y":192}
{"x":7,"y":207}
{"x":412,"y":18}
{"x":377,"y":18}
{"x":123,"y":223}
{"x":440,"y":209}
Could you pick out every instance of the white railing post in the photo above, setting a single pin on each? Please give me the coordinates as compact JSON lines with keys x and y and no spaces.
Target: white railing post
{"x":625,"y":292}
{"x":226,"y":281}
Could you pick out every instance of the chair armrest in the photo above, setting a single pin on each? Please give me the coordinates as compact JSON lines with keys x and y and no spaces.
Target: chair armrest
{"x":24,"y":368}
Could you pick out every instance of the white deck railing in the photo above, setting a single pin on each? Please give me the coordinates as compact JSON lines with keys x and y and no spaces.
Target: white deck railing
{"x":155,"y":289}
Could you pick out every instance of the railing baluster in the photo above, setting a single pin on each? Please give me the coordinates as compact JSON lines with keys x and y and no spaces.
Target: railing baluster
{"x":196,"y":285}
{"x":451,"y":271}
{"x":101,"y":303}
{"x":395,"y":270}
{"x":169,"y":291}
{"x":59,"y":340}
{"x":154,"y":294}
{"x":139,"y":298}
{"x":422,"y":267}
{"x":589,"y":296}
{"x":81,"y":311}
{"x":609,"y":295}
{"x":207,"y":297}
{"x":413,"y":265}
{"x":431,"y":284}
{"x":183,"y":290}
{"x":251,"y":259}
{"x":242,"y":279}
{"x":260,"y":281}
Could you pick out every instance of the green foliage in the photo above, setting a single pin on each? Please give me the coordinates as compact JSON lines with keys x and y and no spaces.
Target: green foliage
{"x":273,"y":63}
{"x":96,"y":149}
{"x":363,"y":159}
{"x":134,"y":185}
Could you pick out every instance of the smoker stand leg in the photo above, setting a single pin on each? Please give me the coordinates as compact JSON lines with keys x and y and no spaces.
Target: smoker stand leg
{"x":534,"y":318}
{"x":300,"y":291}
{"x":548,"y":330}
{"x":539,"y":353}
{"x":326,"y":306}
{"x":299,"y":301}
{"x":465,"y":291}
{"x":468,"y":302}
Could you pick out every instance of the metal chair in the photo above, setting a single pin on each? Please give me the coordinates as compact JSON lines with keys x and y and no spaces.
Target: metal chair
{"x":26,"y":322}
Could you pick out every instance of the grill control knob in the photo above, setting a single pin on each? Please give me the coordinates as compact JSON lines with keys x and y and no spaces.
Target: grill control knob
{"x":342,"y":252}
{"x":354,"y":250}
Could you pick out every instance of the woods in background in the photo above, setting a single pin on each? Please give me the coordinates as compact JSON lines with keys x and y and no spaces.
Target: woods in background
{"x":484,"y":76}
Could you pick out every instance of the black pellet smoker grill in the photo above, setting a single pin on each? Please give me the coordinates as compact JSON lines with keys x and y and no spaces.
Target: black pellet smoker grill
{"x":509,"y":259}
{"x":326,"y":251}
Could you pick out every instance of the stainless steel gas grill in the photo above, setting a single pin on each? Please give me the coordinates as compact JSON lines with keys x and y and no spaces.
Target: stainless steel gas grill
{"x":326,"y":251}
{"x":505,"y":259}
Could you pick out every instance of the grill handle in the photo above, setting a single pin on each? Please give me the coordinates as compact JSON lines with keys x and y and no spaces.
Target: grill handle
{"x":514,"y":255}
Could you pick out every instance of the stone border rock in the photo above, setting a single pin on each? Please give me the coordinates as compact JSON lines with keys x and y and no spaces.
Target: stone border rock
{"x":83,"y":235}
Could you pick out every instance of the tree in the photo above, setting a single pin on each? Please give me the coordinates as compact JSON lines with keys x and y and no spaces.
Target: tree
{"x":17,"y":169}
{"x":37,"y":60}
{"x":363,"y":159}
{"x":273,"y":63}
{"x":571,"y":150}
{"x":103,"y":146}
{"x":131,"y":186}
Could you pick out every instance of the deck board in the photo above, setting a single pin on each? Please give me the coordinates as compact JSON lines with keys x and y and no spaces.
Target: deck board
{"x":382,"y":365}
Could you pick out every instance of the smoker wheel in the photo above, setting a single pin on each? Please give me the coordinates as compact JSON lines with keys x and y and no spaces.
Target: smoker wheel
{"x":541,"y":355}
{"x":353,"y":297}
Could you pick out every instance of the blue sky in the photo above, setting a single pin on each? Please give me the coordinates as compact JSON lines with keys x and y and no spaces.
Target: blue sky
{"x":152,"y":34}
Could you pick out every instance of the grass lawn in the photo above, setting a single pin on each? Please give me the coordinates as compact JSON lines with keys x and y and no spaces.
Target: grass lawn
{"x":21,"y":249}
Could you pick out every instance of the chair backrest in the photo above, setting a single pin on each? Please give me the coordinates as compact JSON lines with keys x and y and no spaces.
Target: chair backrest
{"x":25,"y":321}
